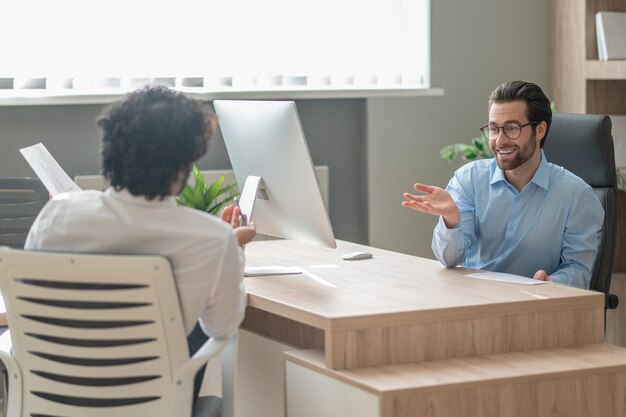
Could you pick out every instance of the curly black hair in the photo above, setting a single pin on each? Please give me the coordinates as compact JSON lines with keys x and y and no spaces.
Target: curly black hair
{"x":150,"y":136}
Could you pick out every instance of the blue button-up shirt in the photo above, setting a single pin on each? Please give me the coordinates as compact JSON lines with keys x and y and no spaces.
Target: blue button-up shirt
{"x":552,"y":224}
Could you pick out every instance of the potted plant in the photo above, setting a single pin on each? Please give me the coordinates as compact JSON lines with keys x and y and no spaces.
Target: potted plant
{"x":209,"y":198}
{"x":477,"y":149}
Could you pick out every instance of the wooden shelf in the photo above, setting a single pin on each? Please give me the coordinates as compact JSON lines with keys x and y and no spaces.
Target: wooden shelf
{"x":580,"y":382}
{"x":580,"y":82}
{"x":606,"y":70}
{"x":442,"y":375}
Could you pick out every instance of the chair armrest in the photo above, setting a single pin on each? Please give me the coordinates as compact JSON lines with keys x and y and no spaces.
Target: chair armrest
{"x":208,"y":350}
{"x":182,"y":387}
{"x":14,"y":374}
{"x":5,"y":342}
{"x":611,"y":301}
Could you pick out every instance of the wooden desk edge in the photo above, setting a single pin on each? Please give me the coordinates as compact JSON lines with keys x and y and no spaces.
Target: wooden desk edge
{"x":366,"y":321}
{"x":313,"y":359}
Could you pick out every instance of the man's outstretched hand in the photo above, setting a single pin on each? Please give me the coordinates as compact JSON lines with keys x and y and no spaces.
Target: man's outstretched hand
{"x":435,"y":201}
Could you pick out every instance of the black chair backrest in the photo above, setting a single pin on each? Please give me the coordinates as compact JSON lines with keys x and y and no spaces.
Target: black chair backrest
{"x":582,"y":144}
{"x":21,"y":200}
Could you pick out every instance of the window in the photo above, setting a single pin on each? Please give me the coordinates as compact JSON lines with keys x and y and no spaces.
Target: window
{"x":95,"y":45}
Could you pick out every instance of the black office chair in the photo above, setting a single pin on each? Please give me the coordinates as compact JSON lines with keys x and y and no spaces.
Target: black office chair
{"x":21,"y":199}
{"x":582,"y":143}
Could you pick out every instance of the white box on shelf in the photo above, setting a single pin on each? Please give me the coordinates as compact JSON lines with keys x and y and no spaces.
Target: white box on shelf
{"x":611,"y":35}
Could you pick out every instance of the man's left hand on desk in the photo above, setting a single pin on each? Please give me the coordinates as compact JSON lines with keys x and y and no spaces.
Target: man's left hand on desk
{"x":541,"y":275}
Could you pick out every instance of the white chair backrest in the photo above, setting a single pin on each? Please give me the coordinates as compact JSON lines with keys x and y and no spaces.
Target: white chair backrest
{"x":94,"y":335}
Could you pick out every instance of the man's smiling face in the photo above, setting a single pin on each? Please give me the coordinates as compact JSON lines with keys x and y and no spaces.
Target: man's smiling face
{"x":512,"y":153}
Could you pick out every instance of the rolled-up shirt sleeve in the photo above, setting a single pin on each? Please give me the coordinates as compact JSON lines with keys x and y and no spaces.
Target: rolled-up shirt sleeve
{"x":450,"y":246}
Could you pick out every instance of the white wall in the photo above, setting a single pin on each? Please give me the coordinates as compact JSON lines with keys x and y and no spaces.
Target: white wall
{"x":476,"y":45}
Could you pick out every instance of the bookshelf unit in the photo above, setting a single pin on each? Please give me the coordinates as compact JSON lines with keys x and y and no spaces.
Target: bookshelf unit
{"x":580,"y":82}
{"x":583,"y":84}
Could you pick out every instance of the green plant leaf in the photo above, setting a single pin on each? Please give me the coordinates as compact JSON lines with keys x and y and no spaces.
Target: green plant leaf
{"x":200,"y":181}
{"x":201,"y":197}
{"x":198,"y":196}
{"x":469,"y":152}
{"x":186,"y":195}
{"x":231,"y":198}
{"x":486,"y":148}
{"x":213,"y":190}
{"x":448,"y":153}
{"x":478,"y":144}
{"x":478,"y":149}
{"x":228,"y":188}
{"x":216,"y":209}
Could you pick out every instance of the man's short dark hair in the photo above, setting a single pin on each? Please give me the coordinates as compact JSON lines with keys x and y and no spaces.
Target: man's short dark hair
{"x":150,"y":136}
{"x":537,"y":104}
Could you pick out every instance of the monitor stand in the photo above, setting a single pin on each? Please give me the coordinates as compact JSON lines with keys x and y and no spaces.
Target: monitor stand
{"x":246,"y":204}
{"x":247,"y":197}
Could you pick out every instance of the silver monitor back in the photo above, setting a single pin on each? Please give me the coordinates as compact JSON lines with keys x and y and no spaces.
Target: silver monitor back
{"x":265,"y":138}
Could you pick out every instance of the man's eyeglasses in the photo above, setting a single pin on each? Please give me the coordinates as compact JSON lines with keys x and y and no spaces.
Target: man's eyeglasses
{"x":511,"y":130}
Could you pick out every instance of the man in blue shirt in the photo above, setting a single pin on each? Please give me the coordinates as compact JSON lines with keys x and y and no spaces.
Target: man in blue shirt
{"x":515,"y":213}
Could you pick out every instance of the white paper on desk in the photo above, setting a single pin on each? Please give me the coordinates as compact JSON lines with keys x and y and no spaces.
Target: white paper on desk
{"x":53,"y":177}
{"x":502,"y":277}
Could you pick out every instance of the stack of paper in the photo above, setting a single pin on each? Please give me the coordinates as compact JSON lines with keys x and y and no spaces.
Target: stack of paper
{"x":611,"y":35}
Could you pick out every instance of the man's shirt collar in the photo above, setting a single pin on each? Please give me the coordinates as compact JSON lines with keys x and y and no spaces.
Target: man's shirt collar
{"x":139,"y":200}
{"x":541,"y":177}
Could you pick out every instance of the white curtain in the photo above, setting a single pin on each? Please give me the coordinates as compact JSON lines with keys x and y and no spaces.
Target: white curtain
{"x":261,"y":44}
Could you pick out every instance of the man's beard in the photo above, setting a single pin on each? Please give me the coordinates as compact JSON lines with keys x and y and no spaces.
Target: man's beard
{"x":523,"y":155}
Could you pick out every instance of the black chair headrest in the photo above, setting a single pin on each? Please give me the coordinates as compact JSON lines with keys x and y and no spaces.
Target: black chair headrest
{"x":583,"y":144}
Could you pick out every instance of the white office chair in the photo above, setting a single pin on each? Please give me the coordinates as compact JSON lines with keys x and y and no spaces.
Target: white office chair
{"x":99,"y":335}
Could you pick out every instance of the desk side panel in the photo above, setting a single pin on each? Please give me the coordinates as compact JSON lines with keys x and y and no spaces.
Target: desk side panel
{"x":283,"y":329}
{"x":460,"y":338}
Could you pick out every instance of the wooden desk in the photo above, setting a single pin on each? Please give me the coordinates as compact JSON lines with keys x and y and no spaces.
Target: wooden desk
{"x":397,"y":308}
{"x":365,"y":319}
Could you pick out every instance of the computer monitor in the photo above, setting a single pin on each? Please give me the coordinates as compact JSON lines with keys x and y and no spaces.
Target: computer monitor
{"x":265,"y":139}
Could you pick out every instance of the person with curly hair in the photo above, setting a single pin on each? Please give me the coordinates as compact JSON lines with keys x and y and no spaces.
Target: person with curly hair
{"x":150,"y":140}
